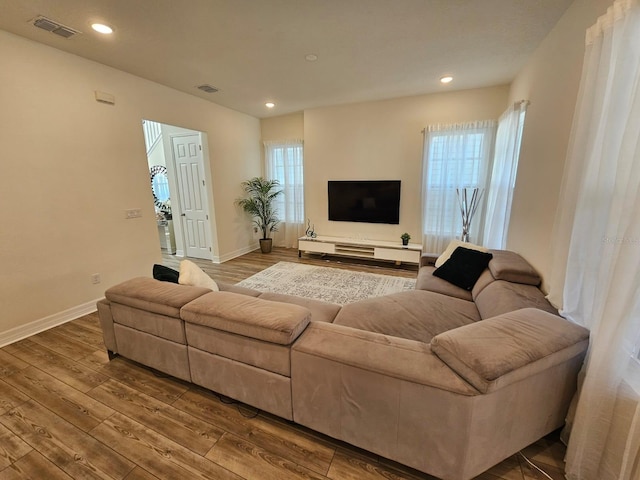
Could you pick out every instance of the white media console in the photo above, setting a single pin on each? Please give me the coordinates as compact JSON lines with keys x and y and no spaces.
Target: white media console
{"x":352,"y":247}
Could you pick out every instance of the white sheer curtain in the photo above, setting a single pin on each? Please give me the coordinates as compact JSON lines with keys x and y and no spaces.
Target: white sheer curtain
{"x":454,"y":156}
{"x":284,"y":162}
{"x":503,"y":176}
{"x":597,"y":249}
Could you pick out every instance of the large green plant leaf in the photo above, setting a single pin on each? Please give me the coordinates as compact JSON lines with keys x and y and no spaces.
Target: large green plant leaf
{"x":259,"y":203}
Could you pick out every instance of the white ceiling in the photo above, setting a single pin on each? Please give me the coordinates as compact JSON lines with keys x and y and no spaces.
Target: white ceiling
{"x":254,"y":50}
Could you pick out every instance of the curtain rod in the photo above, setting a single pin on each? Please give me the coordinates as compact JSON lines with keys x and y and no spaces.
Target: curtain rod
{"x":515,"y":104}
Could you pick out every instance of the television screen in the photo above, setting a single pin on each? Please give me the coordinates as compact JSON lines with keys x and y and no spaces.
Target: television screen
{"x":369,"y":201}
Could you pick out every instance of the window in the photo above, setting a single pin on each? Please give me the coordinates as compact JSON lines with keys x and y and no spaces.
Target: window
{"x":456,"y":157}
{"x":285,"y":163}
{"x":464,"y":158}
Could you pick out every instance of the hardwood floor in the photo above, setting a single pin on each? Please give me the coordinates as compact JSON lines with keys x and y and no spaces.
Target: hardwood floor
{"x":66,"y":411}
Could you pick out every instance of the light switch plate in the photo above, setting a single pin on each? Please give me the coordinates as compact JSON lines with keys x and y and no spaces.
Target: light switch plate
{"x":133,"y":213}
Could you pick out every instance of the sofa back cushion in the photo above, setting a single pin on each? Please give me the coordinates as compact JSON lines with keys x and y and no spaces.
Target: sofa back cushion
{"x":505,"y":265}
{"x":483,"y":281}
{"x":499,"y":351}
{"x":428,"y":281}
{"x":510,"y":266}
{"x":321,"y":311}
{"x":154,"y":296}
{"x":275,"y":322}
{"x":501,"y":297}
{"x":413,"y":315}
{"x":230,"y":287}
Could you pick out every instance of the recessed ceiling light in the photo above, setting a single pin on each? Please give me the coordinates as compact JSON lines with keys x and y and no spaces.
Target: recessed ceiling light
{"x":102,"y":28}
{"x":311,"y":57}
{"x":269,"y":104}
{"x":446,"y":79}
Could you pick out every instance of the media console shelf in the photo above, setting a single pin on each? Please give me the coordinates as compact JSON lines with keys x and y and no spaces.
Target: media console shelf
{"x":352,"y":247}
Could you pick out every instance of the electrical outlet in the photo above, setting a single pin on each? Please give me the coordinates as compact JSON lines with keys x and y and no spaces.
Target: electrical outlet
{"x":132,"y":213}
{"x":255,"y":229}
{"x":95,"y":278}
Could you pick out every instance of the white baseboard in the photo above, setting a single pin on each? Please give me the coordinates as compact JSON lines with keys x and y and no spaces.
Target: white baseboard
{"x":37,"y":326}
{"x":237,"y":253}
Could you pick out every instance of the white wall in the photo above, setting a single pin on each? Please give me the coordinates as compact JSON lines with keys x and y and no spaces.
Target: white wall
{"x":550,"y":80}
{"x":284,"y":127}
{"x":382,"y":140}
{"x":71,"y":167}
{"x":379,"y":139}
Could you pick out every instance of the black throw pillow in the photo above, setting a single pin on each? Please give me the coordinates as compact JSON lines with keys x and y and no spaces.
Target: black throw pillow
{"x":166,"y":274}
{"x":464,"y":267}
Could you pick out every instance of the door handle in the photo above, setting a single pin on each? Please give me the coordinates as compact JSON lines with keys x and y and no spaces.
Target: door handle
{"x":183,"y":214}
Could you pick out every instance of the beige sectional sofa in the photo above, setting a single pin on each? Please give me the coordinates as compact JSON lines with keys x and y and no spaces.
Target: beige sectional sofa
{"x":444,"y":380}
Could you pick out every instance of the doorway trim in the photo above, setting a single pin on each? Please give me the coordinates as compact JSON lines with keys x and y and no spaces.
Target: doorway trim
{"x":168,"y":133}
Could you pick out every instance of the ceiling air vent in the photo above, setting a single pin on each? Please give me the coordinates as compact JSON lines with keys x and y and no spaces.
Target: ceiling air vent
{"x":207,"y":88}
{"x":54,"y":27}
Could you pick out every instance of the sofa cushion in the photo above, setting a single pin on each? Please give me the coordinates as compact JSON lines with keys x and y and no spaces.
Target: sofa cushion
{"x":510,"y":266}
{"x":155,"y":352}
{"x":483,"y":281}
{"x":191,"y":274}
{"x":166,"y":274}
{"x":266,"y":355}
{"x":253,"y":317}
{"x":153,"y":295}
{"x":463,"y":267}
{"x":320,"y":311}
{"x":428,"y":281}
{"x":453,"y":245}
{"x":398,"y":358}
{"x":414,"y":315}
{"x":489,"y":354}
{"x":170,"y":328}
{"x":501,"y":297}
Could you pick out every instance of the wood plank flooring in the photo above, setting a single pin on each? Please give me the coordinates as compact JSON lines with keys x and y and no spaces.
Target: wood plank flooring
{"x":67,"y":412}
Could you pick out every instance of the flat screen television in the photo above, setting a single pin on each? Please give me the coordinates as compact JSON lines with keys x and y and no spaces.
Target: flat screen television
{"x":369,"y":201}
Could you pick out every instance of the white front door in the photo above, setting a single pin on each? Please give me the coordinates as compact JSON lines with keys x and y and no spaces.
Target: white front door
{"x":187,"y":154}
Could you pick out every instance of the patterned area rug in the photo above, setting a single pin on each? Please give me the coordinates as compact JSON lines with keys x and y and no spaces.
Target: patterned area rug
{"x":324,"y":283}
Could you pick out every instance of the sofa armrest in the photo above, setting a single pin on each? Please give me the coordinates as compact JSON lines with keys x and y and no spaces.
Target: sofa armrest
{"x":428,"y":259}
{"x":391,"y":356}
{"x":496,"y":352}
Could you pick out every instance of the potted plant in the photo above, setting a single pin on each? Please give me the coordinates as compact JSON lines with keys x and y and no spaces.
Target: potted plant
{"x":259,"y":204}
{"x":405,"y":238}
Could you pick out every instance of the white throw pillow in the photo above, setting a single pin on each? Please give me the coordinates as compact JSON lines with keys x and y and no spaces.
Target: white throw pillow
{"x":191,"y":274}
{"x":453,"y":244}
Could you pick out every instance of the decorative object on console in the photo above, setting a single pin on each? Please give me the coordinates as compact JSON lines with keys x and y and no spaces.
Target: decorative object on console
{"x":259,"y":204}
{"x":468,"y":208}
{"x":310,"y":232}
{"x":405,"y":238}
